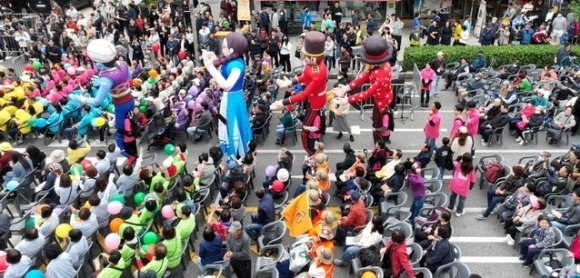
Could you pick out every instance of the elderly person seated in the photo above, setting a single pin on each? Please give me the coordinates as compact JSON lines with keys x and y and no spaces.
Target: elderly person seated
{"x":564,"y":120}
{"x":492,"y":109}
{"x":475,"y":84}
{"x":453,"y":75}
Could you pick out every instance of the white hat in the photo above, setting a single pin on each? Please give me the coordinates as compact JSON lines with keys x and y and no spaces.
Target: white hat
{"x":101,"y":51}
{"x":440,"y":53}
{"x":283,"y":175}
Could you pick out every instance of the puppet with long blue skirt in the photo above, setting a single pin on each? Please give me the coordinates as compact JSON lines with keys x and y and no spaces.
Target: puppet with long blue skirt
{"x":114,"y":77}
{"x":234,"y":130}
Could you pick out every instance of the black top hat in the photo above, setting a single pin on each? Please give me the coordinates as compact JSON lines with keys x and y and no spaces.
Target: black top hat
{"x":376,"y":50}
{"x":314,"y":44}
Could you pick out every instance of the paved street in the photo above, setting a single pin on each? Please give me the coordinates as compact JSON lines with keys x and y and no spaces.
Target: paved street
{"x":480,"y":241}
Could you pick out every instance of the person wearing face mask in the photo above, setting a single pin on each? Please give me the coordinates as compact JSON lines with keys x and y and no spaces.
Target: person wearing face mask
{"x":285,"y":50}
{"x":524,"y":219}
{"x":543,"y":236}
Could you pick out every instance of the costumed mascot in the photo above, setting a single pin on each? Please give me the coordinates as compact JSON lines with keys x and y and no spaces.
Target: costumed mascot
{"x":376,"y":53}
{"x":114,"y":77}
{"x":234,"y":131}
{"x":314,"y":76}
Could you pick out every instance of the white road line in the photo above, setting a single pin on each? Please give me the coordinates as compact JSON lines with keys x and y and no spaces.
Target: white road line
{"x":64,"y":144}
{"x":465,"y":210}
{"x":471,"y":239}
{"x":477,"y":151}
{"x":332,"y":177}
{"x":356,"y":130}
{"x":490,"y":260}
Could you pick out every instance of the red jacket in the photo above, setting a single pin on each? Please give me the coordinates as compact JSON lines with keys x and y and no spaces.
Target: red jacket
{"x":380,"y":89}
{"x":315,"y":78}
{"x":357,"y":215}
{"x":400,"y":259}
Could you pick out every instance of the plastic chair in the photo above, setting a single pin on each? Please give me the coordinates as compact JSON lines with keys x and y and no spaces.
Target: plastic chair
{"x":271,"y":272}
{"x":549,"y":260}
{"x":387,"y":203}
{"x":421,"y":270}
{"x":265,"y":261}
{"x":280,"y":202}
{"x":558,"y":202}
{"x":416,"y":253}
{"x":214,"y":269}
{"x":272,"y":233}
{"x":434,"y":186}
{"x":497,"y":134}
{"x":431,"y":173}
{"x":292,"y":132}
{"x":376,"y":270}
{"x":455,"y":269}
{"x":403,"y":226}
{"x":480,"y":167}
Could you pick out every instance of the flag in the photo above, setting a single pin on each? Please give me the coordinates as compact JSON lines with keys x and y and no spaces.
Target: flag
{"x":297,"y":215}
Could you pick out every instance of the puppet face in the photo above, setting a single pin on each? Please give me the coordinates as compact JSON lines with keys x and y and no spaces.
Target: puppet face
{"x":100,"y":66}
{"x":226,"y":50}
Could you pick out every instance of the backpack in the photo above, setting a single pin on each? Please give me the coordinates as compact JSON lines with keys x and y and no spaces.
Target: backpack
{"x":370,"y":256}
{"x":135,"y":127}
{"x":493,"y":170}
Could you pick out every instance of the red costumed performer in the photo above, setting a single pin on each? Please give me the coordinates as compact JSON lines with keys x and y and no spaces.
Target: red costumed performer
{"x":376,"y":54}
{"x":314,"y":76}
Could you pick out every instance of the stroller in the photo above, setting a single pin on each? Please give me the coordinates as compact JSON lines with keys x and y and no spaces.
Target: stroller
{"x":162,"y":136}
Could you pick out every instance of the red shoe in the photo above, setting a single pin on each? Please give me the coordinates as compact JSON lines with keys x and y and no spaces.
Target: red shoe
{"x":131,"y":160}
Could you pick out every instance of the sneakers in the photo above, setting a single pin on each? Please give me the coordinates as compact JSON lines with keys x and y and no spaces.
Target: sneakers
{"x":459,"y":214}
{"x":510,"y":241}
{"x":507,"y":238}
{"x":340,"y":262}
{"x":339,"y":135}
{"x":522,"y":258}
{"x":481,"y":217}
{"x":519,"y":139}
{"x":351,"y":138}
{"x":522,"y":142}
{"x":526,"y":265}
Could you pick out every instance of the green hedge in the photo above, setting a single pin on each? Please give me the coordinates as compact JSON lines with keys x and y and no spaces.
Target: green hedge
{"x":541,"y":55}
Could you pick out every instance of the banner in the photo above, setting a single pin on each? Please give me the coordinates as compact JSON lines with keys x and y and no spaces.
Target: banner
{"x":297,"y":215}
{"x":244,"y":10}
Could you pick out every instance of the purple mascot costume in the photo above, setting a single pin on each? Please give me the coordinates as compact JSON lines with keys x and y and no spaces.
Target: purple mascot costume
{"x":114,"y":77}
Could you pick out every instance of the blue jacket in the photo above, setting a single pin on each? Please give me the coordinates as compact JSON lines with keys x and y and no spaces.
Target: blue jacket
{"x":266,"y":210}
{"x":306,"y":18}
{"x":417,"y":23}
{"x":54,"y":121}
{"x":211,"y":251}
{"x":439,"y":253}
{"x":84,"y":124}
{"x":527,"y":35}
{"x":479,"y":62}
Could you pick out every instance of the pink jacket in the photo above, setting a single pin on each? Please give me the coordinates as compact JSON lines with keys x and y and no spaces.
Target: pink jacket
{"x":432,"y":131}
{"x":427,"y":74}
{"x":473,"y":122}
{"x":460,"y":182}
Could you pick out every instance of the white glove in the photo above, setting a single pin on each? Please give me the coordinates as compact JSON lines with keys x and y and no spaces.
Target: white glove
{"x":284,"y":83}
{"x":277,"y":105}
{"x":341,"y":90}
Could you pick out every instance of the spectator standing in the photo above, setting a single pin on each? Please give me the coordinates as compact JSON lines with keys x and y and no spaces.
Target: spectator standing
{"x":285,"y":50}
{"x":433,"y":125}
{"x":238,"y":246}
{"x":462,"y":182}
{"x":438,"y":65}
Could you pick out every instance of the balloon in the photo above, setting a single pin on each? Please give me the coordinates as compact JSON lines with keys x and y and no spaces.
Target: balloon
{"x":136,"y":82}
{"x":202,"y":96}
{"x":169,"y":149}
{"x":71,"y":71}
{"x":118,"y":198}
{"x":29,"y":67}
{"x":139,"y":198}
{"x":3,"y":264}
{"x":142,"y":102}
{"x":151,"y":80}
{"x":150,"y":238}
{"x":173,"y":70}
{"x":29,"y":223}
{"x":99,"y":122}
{"x":62,"y":230}
{"x":11,"y":185}
{"x":35,"y":273}
{"x":142,"y":109}
{"x":114,"y":207}
{"x":116,"y":225}
{"x":193,"y":91}
{"x":168,"y":212}
{"x":191,"y":104}
{"x":283,"y":175}
{"x":197,"y":107}
{"x":153,"y":73}
{"x":66,"y":66}
{"x":79,"y":169}
{"x":37,"y":65}
{"x":182,"y":54}
{"x":111,"y":108}
{"x":32,"y":122}
{"x":369,"y":274}
{"x":7,"y":82}
{"x":44,"y":102}
{"x":112,"y":241}
{"x":270,"y":171}
{"x":156,"y":46}
{"x":86,"y":164}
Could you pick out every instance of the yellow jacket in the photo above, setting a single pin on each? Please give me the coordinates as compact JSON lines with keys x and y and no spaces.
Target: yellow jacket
{"x":457,"y":32}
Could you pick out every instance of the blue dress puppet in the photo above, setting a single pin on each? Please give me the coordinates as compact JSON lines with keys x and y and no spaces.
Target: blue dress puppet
{"x":234,"y":129}
{"x":114,"y":77}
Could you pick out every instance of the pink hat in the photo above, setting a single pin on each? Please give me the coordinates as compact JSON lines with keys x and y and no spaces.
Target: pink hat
{"x":534,"y":201}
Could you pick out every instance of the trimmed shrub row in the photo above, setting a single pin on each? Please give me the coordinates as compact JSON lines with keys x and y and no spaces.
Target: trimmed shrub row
{"x":540,"y":55}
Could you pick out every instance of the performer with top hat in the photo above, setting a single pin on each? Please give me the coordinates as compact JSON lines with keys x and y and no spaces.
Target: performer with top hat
{"x":376,"y":53}
{"x":314,"y":76}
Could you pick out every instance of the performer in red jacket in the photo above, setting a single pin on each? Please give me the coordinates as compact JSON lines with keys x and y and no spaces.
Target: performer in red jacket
{"x":376,"y":54}
{"x":314,"y":76}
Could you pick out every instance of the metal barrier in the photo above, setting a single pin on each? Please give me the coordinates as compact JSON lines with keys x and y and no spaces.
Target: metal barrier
{"x":18,"y":64}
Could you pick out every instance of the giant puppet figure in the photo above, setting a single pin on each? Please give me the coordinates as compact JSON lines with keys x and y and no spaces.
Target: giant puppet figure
{"x":234,"y":131}
{"x":314,"y":76}
{"x":376,"y":53}
{"x":114,"y":77}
